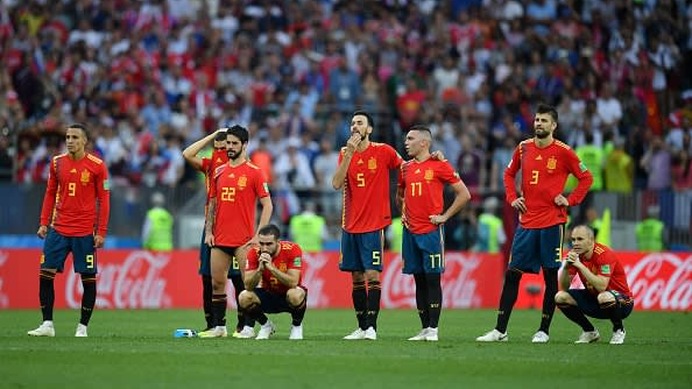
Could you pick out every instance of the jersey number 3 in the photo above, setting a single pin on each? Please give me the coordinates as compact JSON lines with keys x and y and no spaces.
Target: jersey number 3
{"x":534,"y":177}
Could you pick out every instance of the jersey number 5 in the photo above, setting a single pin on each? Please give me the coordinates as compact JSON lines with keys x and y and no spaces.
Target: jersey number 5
{"x":360,"y":178}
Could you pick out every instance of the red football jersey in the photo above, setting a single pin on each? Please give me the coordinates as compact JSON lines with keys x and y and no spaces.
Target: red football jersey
{"x":366,"y":204}
{"x":77,"y":199}
{"x":209,"y":165}
{"x":236,"y":189}
{"x":543,"y":175}
{"x":423,"y":186}
{"x":604,"y":263}
{"x":289,"y":256}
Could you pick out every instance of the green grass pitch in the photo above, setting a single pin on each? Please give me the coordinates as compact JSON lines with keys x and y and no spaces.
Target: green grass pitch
{"x":136,"y":349}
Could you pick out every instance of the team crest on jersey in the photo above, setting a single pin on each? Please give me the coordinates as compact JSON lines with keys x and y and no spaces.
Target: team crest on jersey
{"x":429,"y":175}
{"x":242,"y":182}
{"x":552,"y":163}
{"x":372,"y":163}
{"x":283,"y":268}
{"x":86,"y":176}
{"x":605,"y":269}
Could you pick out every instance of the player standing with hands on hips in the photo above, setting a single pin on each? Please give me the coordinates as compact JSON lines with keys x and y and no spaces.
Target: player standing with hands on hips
{"x":74,"y":219}
{"x":420,"y":195}
{"x":606,"y":294}
{"x":545,"y":164}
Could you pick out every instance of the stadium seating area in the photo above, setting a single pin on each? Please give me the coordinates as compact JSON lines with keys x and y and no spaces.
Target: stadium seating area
{"x":151,"y":76}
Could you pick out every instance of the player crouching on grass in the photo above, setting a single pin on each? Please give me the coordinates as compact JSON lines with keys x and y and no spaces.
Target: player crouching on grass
{"x":606,"y":294}
{"x":277,"y":264}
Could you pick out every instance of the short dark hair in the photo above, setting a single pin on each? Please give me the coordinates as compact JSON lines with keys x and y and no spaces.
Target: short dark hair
{"x":270,"y":229}
{"x":549,"y":109}
{"x":420,"y":127}
{"x":371,"y":122}
{"x":82,"y":127}
{"x":239,"y":132}
{"x":221,"y":135}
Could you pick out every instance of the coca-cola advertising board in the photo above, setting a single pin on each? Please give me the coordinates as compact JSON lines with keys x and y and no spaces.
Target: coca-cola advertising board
{"x":132,"y":279}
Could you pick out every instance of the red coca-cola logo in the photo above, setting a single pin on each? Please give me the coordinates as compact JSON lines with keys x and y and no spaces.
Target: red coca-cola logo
{"x":312,"y":264}
{"x":137,"y":282}
{"x":661,"y":281}
{"x":459,"y":284}
{"x":4,"y":300}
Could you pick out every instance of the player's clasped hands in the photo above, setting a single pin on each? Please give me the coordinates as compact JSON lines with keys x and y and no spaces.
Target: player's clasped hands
{"x":264,"y":260}
{"x":572,"y":258}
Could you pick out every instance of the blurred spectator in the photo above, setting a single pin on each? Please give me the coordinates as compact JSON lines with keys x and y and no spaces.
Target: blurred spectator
{"x":471,"y":165}
{"x":651,"y":232}
{"x":263,"y":158}
{"x":157,"y":229}
{"x":657,"y":163}
{"x":6,"y":165}
{"x":491,"y":232}
{"x":324,"y":166}
{"x":619,"y":169}
{"x":501,"y":157}
{"x":308,"y":228}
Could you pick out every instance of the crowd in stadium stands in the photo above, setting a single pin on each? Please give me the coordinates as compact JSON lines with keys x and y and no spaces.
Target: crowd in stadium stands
{"x":151,"y":76}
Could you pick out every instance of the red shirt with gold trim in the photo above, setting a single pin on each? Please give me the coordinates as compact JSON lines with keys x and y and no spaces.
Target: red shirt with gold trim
{"x":544,"y":172}
{"x":603,"y":262}
{"x":289,"y":256}
{"x":236,"y":189}
{"x":423,"y":186}
{"x":77,"y":198}
{"x":366,"y":205}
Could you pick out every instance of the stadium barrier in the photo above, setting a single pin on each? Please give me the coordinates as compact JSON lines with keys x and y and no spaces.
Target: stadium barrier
{"x":134,"y":279}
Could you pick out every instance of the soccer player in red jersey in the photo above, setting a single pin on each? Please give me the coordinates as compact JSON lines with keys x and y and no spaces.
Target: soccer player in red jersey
{"x":420,"y":194}
{"x":273,"y":281}
{"x":235,"y":188}
{"x":74,"y":219}
{"x":363,"y":173}
{"x":606,"y":294}
{"x":207,"y":167}
{"x":545,"y":164}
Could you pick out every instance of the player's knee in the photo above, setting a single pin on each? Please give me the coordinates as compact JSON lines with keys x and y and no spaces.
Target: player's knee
{"x":218,"y":285}
{"x":605,"y":298}
{"x":372,"y":275}
{"x":357,"y":277}
{"x":247,"y":298}
{"x":295,"y":297}
{"x":563,"y":298}
{"x":512,"y":276}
